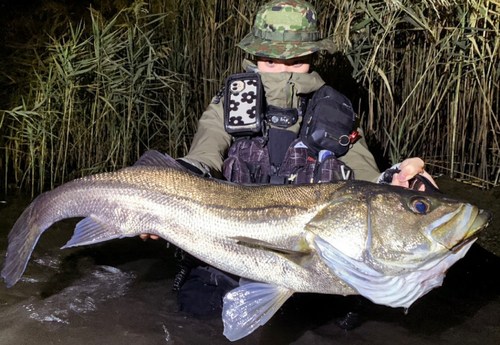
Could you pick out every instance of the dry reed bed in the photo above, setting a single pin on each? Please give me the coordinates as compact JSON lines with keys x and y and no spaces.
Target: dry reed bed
{"x":98,"y":95}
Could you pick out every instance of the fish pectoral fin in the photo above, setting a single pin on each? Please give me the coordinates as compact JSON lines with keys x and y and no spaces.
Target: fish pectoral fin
{"x":297,"y":256}
{"x":90,"y":230}
{"x":249,"y":306}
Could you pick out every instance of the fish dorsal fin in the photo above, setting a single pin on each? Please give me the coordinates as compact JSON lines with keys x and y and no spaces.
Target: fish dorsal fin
{"x":390,"y":290}
{"x":249,"y":306}
{"x":153,"y":158}
{"x":298,"y":256}
{"x":90,"y":230}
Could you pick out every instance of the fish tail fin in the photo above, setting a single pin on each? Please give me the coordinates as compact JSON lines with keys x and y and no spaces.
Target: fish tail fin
{"x":249,"y":306}
{"x":30,"y":226}
{"x":22,"y":240}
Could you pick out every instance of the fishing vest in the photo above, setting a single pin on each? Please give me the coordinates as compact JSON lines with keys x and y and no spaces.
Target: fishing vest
{"x":249,"y":162}
{"x":264,"y":151}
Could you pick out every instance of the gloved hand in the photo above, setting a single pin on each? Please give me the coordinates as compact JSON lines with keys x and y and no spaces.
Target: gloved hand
{"x":401,"y":174}
{"x":408,"y":169}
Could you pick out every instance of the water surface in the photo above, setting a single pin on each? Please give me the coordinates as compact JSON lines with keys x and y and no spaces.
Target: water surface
{"x":120,"y":292}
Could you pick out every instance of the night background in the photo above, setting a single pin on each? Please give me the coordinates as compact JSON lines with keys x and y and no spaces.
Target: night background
{"x":423,"y":77}
{"x":90,"y":90}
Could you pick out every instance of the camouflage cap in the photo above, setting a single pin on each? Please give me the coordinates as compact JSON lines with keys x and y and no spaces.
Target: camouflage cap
{"x":285,"y":29}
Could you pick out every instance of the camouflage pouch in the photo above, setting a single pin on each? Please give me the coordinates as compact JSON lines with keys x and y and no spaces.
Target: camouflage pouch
{"x":300,"y":167}
{"x":331,"y":169}
{"x":247,"y":162}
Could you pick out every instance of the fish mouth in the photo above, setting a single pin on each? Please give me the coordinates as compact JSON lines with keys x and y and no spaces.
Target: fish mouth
{"x":456,"y":228}
{"x":481,"y":221}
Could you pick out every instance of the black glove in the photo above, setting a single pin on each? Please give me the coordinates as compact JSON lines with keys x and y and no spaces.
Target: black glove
{"x":414,"y":183}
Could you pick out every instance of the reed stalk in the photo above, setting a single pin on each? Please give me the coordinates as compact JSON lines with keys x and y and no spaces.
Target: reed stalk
{"x":93,"y":95}
{"x":431,"y":70}
{"x":95,"y":103}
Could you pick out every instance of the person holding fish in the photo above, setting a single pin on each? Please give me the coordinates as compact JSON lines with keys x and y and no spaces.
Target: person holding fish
{"x":284,"y":41}
{"x":259,"y":133}
{"x":278,"y":122}
{"x":278,"y":125}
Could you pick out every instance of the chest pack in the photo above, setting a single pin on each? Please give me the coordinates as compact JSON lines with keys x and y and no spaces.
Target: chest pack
{"x":329,"y":122}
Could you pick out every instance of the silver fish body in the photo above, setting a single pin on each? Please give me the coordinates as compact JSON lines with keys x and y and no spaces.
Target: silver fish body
{"x":389,"y":244}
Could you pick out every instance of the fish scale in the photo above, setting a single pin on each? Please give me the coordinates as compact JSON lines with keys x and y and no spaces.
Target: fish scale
{"x":389,"y":244}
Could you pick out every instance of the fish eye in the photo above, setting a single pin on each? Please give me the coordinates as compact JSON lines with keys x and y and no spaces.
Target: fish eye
{"x":420,"y":205}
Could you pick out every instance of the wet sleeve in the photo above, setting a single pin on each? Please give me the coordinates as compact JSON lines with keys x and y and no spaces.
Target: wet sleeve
{"x":361,"y":161}
{"x":210,"y":143}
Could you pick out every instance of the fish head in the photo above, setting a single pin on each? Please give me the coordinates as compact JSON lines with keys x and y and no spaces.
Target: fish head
{"x":393,"y":245}
{"x":396,"y":228}
{"x":407,"y":227}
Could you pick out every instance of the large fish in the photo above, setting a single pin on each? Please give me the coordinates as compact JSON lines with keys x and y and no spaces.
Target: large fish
{"x":389,"y":244}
